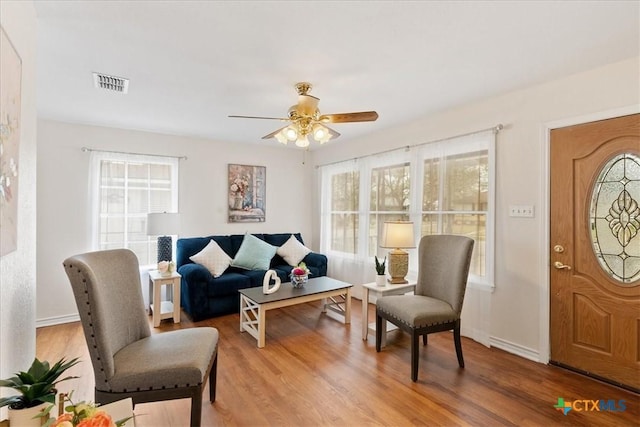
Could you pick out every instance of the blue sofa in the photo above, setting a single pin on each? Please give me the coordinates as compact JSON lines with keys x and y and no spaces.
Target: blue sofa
{"x":203,"y":296}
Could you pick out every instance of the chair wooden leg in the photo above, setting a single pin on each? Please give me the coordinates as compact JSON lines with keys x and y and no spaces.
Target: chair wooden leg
{"x":196,"y":409}
{"x":213,"y":375}
{"x":424,"y":339}
{"x":378,"y":332}
{"x":415,"y":352}
{"x":458,"y":343}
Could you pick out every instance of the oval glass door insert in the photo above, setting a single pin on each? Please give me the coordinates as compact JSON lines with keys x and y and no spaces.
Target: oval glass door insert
{"x":614,"y":218}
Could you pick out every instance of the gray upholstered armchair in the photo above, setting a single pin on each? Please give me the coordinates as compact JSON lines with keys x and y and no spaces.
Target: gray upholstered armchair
{"x":128,"y":361}
{"x":443,"y":267}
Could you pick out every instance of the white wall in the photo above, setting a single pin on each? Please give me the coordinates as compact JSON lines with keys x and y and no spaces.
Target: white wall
{"x":18,"y":268}
{"x":512,"y":313}
{"x":63,"y":195}
{"x":511,"y":316}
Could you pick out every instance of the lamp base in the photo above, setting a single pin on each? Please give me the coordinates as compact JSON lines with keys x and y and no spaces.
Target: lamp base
{"x":398,"y":266}
{"x":165,"y":248}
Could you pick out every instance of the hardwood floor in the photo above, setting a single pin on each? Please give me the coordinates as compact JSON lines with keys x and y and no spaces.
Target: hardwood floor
{"x":316,"y":371}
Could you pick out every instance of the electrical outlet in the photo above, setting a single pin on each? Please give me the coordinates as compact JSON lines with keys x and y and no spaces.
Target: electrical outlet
{"x":521,"y":211}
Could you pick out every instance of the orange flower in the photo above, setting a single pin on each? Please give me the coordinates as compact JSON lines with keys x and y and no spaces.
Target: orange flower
{"x":60,"y":421}
{"x":99,"y":419}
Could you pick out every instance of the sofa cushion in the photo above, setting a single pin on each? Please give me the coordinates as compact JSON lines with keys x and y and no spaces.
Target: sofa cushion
{"x":292,"y":251}
{"x":213,"y":258}
{"x":255,"y":276}
{"x":228,"y":284}
{"x":254,"y":254}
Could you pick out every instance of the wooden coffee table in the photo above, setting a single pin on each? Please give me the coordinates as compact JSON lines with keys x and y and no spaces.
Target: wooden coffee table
{"x":254,"y":303}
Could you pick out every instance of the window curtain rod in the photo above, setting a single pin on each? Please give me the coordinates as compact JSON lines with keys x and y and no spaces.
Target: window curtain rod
{"x":497,"y":128}
{"x":86,"y":149}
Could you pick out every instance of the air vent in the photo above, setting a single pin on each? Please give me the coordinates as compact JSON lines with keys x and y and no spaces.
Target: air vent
{"x":116,"y":84}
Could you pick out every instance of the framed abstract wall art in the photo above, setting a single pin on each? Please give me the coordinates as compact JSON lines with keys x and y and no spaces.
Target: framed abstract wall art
{"x":10,"y":88}
{"x":247,"y":193}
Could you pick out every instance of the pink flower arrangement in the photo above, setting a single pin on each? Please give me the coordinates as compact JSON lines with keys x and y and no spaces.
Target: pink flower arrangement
{"x":299,"y":275}
{"x":300,"y":270}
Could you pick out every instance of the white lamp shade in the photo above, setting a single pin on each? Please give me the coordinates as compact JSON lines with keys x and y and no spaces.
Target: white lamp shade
{"x":398,"y":234}
{"x":163,"y":224}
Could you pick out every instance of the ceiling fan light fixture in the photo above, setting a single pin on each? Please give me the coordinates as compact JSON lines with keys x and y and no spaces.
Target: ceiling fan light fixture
{"x":290,"y":133}
{"x":306,"y":121}
{"x":302,"y":141}
{"x":281,"y":137}
{"x":321,"y":134}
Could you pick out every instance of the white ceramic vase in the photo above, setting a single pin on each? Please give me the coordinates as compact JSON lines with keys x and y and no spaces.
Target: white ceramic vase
{"x":381,"y":280}
{"x":237,"y":202}
{"x":25,"y":417}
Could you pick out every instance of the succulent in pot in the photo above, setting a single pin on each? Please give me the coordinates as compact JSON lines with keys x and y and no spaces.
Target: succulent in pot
{"x":380,"y":266}
{"x":37,"y":385}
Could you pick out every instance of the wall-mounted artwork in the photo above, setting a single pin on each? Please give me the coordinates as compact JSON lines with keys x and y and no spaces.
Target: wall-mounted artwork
{"x":10,"y":87}
{"x":247,"y":193}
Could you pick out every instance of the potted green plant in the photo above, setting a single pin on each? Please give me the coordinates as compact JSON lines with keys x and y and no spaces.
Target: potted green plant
{"x":37,"y":391}
{"x":380,"y":268}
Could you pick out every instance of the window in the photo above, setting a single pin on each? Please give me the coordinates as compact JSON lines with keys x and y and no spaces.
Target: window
{"x":452,"y":193}
{"x":125,"y":187}
{"x":390,"y":192}
{"x":461,"y":181}
{"x":340,"y":208}
{"x":344,"y":211}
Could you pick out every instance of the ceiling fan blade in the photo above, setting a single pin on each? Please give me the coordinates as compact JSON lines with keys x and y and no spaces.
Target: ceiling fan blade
{"x":363,"y":116}
{"x":332,"y":132}
{"x":272,"y":134}
{"x":259,"y":117}
{"x":307,"y":105}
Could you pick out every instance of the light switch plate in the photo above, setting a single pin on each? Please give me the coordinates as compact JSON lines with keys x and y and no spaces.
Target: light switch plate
{"x":522,"y":211}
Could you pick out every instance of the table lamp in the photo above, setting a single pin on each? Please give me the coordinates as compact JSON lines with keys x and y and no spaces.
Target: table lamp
{"x":163,"y":225}
{"x":398,"y":235}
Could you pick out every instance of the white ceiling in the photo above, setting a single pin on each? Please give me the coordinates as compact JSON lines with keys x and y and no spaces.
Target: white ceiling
{"x":192,"y":63}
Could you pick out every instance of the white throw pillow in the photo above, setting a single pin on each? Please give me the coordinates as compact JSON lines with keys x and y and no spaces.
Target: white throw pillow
{"x":213,"y":257}
{"x":293,"y":251}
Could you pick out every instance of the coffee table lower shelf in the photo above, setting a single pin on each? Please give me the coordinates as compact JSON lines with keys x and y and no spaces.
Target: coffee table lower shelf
{"x":253,"y":313}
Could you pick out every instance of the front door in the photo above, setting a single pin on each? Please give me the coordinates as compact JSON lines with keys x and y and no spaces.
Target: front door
{"x":595,"y":249}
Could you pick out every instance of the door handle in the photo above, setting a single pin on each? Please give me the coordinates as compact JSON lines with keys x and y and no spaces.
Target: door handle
{"x":560,"y":266}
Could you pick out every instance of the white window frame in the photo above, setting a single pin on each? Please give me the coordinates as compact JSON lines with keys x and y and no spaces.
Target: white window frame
{"x":99,"y":156}
{"x":457,"y":146}
{"x":416,"y":156}
{"x":327,"y":212}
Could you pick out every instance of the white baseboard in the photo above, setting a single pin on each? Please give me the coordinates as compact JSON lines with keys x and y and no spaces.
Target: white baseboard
{"x":516,"y":349}
{"x":57,"y":320}
{"x":476,"y":334}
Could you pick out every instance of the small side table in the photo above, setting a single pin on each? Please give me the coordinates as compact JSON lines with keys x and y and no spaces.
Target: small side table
{"x":380,"y":291}
{"x":164,"y":309}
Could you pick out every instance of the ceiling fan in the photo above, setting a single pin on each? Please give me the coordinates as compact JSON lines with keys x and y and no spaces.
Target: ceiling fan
{"x":305,"y":120}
